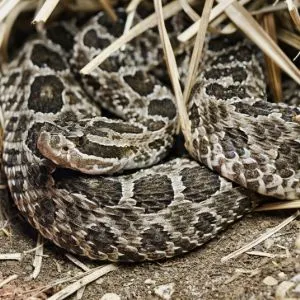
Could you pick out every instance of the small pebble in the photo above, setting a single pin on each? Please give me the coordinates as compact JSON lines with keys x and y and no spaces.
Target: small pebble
{"x":110,"y":296}
{"x":165,"y":291}
{"x":296,"y":278}
{"x":268,"y":243}
{"x":149,"y":281}
{"x":283,"y":288}
{"x":297,"y":289}
{"x":269,"y":280}
{"x":282,"y":275}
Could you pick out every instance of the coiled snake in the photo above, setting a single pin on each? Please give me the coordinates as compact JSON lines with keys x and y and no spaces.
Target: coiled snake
{"x":155,"y":212}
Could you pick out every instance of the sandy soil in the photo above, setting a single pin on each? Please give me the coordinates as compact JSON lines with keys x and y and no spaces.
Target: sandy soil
{"x":197,"y":275}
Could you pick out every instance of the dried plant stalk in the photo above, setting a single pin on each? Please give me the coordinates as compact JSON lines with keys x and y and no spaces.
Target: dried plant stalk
{"x":6,"y":26}
{"x":6,"y":7}
{"x":109,"y":9}
{"x":243,"y":19}
{"x":85,"y":6}
{"x":193,"y":29}
{"x":45,"y":11}
{"x":197,"y":51}
{"x":289,"y":38}
{"x":273,"y":71}
{"x":261,"y":238}
{"x":169,"y":10}
{"x":272,"y":8}
{"x":279,"y":205}
{"x":131,"y":10}
{"x":173,"y":71}
{"x":189,"y":10}
{"x":91,"y":276}
{"x":294,"y":13}
{"x":133,"y":5}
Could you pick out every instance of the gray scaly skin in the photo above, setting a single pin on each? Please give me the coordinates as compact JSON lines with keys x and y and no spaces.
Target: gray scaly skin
{"x":150,"y":214}
{"x":236,"y":132}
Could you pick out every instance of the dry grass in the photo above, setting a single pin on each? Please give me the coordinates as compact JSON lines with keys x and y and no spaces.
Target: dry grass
{"x":273,"y":71}
{"x":262,"y":238}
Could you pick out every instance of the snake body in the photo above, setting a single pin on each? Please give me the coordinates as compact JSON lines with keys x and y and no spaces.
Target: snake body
{"x":156,"y":212}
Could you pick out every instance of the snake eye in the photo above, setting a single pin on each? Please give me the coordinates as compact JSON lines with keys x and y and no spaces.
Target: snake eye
{"x":65,"y":148}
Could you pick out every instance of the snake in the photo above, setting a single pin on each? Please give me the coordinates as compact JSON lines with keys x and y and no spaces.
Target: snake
{"x":103,"y":184}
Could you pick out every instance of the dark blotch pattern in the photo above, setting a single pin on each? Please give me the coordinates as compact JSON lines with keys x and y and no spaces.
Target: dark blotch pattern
{"x":157,"y":144}
{"x":114,"y":28}
{"x":42,"y":56}
{"x":140,"y":83}
{"x":46,"y":94}
{"x":200,"y":184}
{"x":205,"y":223}
{"x":154,"y":239}
{"x":262,"y":108}
{"x":164,"y":108}
{"x":244,"y":54}
{"x":31,"y":140}
{"x":100,"y":191}
{"x":237,"y":73}
{"x":102,"y":238}
{"x":231,"y":91}
{"x":45,"y":212}
{"x":153,"y":193}
{"x":60,"y":35}
{"x":104,"y":151}
{"x":38,"y":176}
{"x":12,"y":79}
{"x":219,"y":43}
{"x":118,"y":127}
{"x":91,"y":39}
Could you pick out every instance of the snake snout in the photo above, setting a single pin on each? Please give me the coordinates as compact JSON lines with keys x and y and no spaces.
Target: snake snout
{"x":55,"y":147}
{"x":65,"y":152}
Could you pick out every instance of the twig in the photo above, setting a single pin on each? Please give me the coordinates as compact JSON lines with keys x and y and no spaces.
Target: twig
{"x":260,"y":253}
{"x":279,"y":205}
{"x":289,"y":38}
{"x":193,"y":29}
{"x":7,"y":7}
{"x":271,"y":8}
{"x":261,"y":238}
{"x":77,"y":262}
{"x":169,"y":10}
{"x":108,"y":9}
{"x":45,"y":11}
{"x":132,"y":5}
{"x":189,"y":10}
{"x":6,"y":26}
{"x":293,"y":13}
{"x":273,"y":71}
{"x":130,"y":10}
{"x":37,"y":262}
{"x":33,"y":249}
{"x":81,"y":265}
{"x":8,"y":279}
{"x":11,"y":256}
{"x":70,"y":289}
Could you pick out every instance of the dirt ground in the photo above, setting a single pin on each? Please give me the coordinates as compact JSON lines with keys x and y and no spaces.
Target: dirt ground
{"x":197,"y":275}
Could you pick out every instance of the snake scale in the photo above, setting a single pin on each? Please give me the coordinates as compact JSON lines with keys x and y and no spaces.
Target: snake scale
{"x":51,"y":124}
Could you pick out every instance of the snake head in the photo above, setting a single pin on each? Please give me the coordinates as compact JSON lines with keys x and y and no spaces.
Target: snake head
{"x":76,"y":151}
